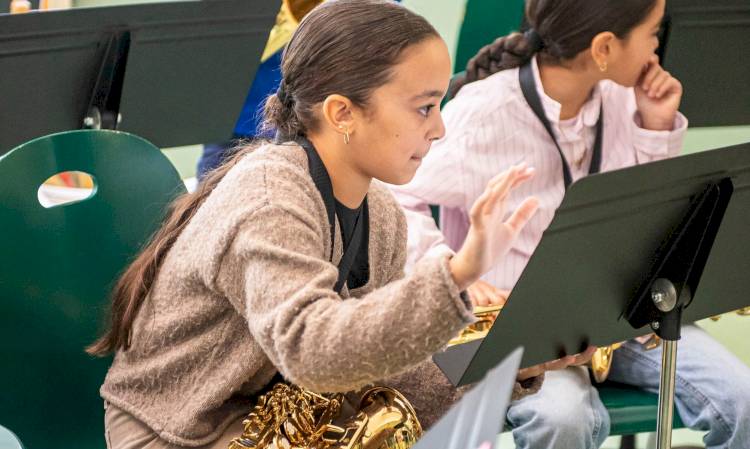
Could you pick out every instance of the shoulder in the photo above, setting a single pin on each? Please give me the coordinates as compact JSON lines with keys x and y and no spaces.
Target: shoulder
{"x":271,"y":175}
{"x":484,"y":101}
{"x":269,"y":184}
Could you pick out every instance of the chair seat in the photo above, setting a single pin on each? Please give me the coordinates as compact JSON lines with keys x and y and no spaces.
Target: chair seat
{"x":631,"y":410}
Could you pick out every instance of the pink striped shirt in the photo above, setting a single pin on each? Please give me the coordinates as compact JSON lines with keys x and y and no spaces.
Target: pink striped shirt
{"x":490,"y":127}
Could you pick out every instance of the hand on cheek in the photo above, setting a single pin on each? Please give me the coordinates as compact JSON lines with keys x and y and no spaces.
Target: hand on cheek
{"x":657,"y":96}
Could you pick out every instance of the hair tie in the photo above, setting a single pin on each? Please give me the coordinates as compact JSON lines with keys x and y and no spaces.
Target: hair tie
{"x":283,"y":96}
{"x":536,"y":43}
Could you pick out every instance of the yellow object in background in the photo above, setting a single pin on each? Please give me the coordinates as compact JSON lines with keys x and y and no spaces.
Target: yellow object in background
{"x":289,"y":16}
{"x":19,"y":6}
{"x":71,"y":179}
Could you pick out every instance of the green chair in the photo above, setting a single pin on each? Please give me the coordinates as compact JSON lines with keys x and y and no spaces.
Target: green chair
{"x":631,"y":410}
{"x":57,"y":267}
{"x":484,"y":20}
{"x":9,"y":440}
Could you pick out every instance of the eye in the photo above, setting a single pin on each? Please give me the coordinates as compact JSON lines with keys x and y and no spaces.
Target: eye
{"x":425,"y":110}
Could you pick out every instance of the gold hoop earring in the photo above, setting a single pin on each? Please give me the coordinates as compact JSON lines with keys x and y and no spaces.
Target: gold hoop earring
{"x":603,"y":67}
{"x":346,"y":134}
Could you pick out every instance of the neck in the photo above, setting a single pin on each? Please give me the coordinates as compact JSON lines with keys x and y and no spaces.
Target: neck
{"x":570,"y":87}
{"x":350,"y":185}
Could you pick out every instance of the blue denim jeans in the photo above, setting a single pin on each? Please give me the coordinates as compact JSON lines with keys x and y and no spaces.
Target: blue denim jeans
{"x":712,"y":394}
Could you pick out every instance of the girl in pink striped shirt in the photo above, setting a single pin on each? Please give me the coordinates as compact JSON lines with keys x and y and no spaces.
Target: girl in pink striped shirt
{"x":593,"y":67}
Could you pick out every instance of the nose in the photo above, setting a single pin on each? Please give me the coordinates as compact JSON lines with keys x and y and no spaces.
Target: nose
{"x":437,"y":130}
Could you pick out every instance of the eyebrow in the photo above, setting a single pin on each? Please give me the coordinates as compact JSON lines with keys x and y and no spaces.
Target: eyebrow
{"x":429,"y":94}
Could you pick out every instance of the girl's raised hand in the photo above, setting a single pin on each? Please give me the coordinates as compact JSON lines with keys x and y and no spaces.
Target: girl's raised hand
{"x":489,"y":237}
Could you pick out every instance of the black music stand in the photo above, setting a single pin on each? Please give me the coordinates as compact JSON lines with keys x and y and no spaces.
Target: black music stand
{"x":175,"y":73}
{"x":656,"y":244}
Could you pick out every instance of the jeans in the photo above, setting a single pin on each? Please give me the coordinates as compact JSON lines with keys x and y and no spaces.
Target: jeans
{"x":712,"y":394}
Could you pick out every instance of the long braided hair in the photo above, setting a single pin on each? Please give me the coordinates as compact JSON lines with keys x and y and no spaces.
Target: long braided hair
{"x":558,"y":30}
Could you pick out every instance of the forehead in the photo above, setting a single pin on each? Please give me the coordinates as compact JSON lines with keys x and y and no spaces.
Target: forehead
{"x":657,"y":13}
{"x":422,"y":67}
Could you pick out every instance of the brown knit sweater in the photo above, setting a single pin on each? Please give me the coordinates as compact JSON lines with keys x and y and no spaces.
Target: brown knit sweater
{"x":247,"y":290}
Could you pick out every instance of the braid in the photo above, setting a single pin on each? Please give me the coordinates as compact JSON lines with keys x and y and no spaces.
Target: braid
{"x":504,"y":53}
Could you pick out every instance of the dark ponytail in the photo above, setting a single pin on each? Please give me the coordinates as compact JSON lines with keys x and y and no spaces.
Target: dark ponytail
{"x":348,"y":47}
{"x":558,"y":30}
{"x":133,"y":286}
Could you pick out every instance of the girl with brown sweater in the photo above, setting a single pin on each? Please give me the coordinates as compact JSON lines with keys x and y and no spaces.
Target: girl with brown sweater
{"x":241,"y":282}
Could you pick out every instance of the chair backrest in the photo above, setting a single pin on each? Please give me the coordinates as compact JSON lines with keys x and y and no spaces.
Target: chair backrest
{"x":57,"y":267}
{"x":9,"y":440}
{"x":484,"y":21}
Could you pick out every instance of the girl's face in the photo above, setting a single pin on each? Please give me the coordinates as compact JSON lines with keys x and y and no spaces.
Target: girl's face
{"x":634,"y":52}
{"x":402,"y":118}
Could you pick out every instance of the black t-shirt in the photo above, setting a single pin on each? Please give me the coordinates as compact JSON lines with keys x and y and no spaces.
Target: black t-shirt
{"x":360,"y":272}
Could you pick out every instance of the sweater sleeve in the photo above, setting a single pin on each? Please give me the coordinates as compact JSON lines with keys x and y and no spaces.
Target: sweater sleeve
{"x":276,"y":274}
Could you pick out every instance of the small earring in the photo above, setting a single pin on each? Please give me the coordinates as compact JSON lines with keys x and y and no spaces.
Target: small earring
{"x":603,"y":66}
{"x":346,"y":134}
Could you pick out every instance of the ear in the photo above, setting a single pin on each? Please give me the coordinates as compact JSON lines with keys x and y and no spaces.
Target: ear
{"x":603,"y":48}
{"x":338,"y":113}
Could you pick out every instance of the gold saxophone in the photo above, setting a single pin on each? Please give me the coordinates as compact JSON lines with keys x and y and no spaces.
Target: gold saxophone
{"x":601,"y":361}
{"x":745,"y":311}
{"x":290,"y":417}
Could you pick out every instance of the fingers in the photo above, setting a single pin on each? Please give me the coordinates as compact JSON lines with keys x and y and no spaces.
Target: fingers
{"x":498,"y":189}
{"x":656,"y":82}
{"x":483,"y":294}
{"x":478,"y":295}
{"x":650,"y":73}
{"x":561,"y":363}
{"x":507,"y":181}
{"x":537,"y":370}
{"x":670,"y":85}
{"x":584,"y":357}
{"x":514,"y":171}
{"x":528,"y":373}
{"x":478,"y":207}
{"x":523,"y":214}
{"x":654,"y":85}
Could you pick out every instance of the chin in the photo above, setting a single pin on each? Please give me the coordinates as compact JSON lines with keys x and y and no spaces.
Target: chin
{"x":397,"y":179}
{"x":629,"y":82}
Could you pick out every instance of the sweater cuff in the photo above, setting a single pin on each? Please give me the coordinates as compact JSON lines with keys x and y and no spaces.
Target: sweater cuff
{"x":461,"y":300}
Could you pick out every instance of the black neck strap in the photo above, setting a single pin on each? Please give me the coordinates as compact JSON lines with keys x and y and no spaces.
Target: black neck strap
{"x":528,"y":87}
{"x":323,"y":183}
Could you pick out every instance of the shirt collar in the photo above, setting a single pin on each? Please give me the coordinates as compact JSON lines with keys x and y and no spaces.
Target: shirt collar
{"x":589,"y":114}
